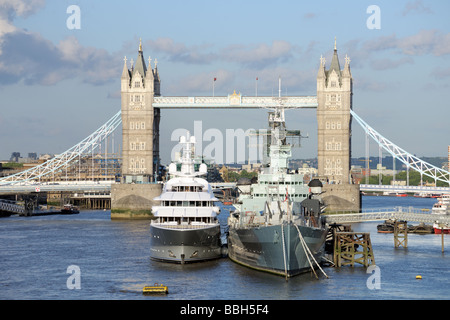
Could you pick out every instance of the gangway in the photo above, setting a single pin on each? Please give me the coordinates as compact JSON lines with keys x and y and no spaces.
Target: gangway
{"x":397,"y":213}
{"x":10,"y":207}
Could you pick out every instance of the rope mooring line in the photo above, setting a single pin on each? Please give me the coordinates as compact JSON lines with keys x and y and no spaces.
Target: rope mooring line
{"x":284,"y":252}
{"x":307,"y":251}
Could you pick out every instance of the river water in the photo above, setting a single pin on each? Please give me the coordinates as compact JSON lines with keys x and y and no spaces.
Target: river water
{"x":38,"y":257}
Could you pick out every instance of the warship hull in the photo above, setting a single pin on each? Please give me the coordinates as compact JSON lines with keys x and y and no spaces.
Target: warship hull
{"x":180,"y":245}
{"x":261,"y":248}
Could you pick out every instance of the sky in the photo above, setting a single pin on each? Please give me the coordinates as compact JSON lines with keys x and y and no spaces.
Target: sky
{"x":59,"y":81}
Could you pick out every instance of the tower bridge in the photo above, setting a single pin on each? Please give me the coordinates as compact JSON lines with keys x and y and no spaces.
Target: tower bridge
{"x":141,"y":106}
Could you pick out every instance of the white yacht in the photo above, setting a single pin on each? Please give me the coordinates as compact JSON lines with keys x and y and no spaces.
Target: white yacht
{"x":186,"y":228}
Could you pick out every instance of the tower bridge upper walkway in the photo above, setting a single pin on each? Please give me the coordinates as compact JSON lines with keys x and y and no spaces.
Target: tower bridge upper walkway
{"x":235,"y":101}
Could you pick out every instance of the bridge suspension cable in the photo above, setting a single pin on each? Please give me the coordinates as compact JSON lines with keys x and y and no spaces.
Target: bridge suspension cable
{"x":411,"y":161}
{"x":68,"y":158}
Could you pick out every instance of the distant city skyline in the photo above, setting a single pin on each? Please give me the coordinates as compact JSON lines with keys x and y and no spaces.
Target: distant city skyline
{"x":60,"y":81}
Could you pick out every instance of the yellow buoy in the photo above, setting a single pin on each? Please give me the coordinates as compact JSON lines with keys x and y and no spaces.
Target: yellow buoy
{"x":419,"y":277}
{"x":156,"y":288}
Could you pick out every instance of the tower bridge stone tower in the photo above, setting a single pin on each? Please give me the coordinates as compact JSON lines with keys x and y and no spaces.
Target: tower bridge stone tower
{"x":334,"y":97}
{"x":133,"y":198}
{"x":140,"y":121}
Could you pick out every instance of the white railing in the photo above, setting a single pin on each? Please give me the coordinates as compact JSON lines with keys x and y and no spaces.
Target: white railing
{"x":398,"y":213}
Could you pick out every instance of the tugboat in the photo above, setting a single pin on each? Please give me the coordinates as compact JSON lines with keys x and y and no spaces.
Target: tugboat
{"x":277,"y":225}
{"x":186,"y":228}
{"x":69,"y":209}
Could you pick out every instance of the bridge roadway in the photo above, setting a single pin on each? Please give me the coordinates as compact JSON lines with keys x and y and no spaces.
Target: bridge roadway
{"x":105,"y":186}
{"x":235,"y":101}
{"x":398,"y":213}
{"x":80,"y":186}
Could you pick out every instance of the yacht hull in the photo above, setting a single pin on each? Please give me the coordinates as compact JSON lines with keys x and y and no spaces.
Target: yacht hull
{"x":261,"y":248}
{"x":185,"y":245}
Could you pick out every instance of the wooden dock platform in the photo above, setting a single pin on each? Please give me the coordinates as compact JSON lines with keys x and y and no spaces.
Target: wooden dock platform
{"x":352,"y":248}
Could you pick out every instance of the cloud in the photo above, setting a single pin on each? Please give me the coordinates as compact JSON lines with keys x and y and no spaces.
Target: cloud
{"x":309,"y":15}
{"x":21,"y":8}
{"x":426,"y":42}
{"x":416,"y":7}
{"x":259,"y":55}
{"x":384,"y":64}
{"x":26,"y":56}
{"x":365,"y":84}
{"x":441,"y":73}
{"x":400,"y":50}
{"x":9,"y":9}
{"x":29,"y":57}
{"x":179,"y":52}
{"x":93,"y":65}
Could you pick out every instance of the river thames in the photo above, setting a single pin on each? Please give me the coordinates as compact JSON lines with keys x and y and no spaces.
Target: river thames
{"x":111,"y":258}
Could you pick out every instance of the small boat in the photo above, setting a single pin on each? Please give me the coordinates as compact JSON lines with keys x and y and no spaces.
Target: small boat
{"x":69,"y":209}
{"x":395,"y":194}
{"x":386,"y":227}
{"x":156,"y":288}
{"x":438,"y":229}
{"x":422,"y":228}
{"x":422,"y":195}
{"x":441,"y":207}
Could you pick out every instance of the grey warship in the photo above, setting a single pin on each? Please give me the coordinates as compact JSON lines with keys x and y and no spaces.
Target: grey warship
{"x":186,"y":228}
{"x":277,"y":226}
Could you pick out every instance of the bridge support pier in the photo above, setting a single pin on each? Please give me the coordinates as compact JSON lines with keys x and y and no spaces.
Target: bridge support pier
{"x":133,"y":201}
{"x":342,"y":197}
{"x":346,"y":249}
{"x":400,"y":234}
